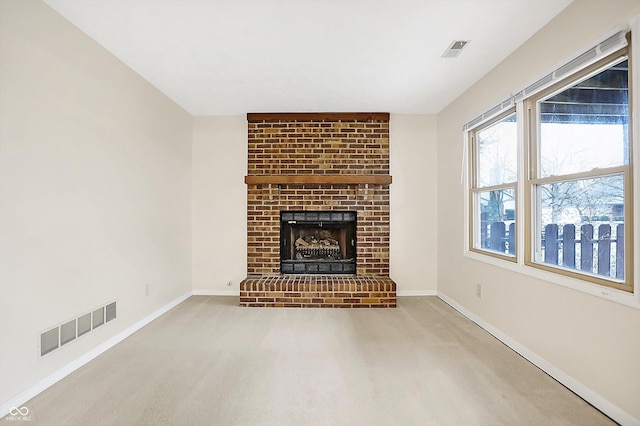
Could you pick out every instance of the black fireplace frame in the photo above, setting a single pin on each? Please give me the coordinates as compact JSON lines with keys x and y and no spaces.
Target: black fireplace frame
{"x":319,"y":219}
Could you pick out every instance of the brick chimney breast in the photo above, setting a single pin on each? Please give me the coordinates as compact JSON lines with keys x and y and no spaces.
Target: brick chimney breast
{"x":318,"y":162}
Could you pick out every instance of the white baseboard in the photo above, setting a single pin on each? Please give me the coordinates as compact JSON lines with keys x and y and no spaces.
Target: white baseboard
{"x":20,"y":399}
{"x":223,"y":292}
{"x":586,"y":393}
{"x":408,"y":293}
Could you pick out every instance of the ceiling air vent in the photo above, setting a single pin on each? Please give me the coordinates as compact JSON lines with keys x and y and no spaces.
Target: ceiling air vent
{"x":455,"y":48}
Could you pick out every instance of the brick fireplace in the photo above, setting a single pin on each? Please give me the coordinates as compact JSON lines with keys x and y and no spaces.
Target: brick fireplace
{"x":313,"y":165}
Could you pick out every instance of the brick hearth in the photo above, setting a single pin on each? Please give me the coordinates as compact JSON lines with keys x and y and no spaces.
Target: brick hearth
{"x":307,"y":291}
{"x":308,"y":162}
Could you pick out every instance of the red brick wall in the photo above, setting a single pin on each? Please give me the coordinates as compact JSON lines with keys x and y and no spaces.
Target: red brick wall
{"x":321,"y":146}
{"x":312,"y":144}
{"x":263,"y":213}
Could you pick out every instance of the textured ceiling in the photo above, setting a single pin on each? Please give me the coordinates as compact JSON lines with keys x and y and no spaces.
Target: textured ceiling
{"x":222,"y":57}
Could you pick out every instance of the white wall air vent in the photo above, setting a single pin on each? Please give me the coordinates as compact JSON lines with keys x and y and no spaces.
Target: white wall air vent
{"x":110,"y":311}
{"x":49,"y":341}
{"x":54,"y":338}
{"x":98,"y":317}
{"x":455,"y":48}
{"x":84,"y":324}
{"x":68,"y":332}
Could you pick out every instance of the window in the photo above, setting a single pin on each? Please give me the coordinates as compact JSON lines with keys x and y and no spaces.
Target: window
{"x":575,"y":168}
{"x":493,"y":196}
{"x":579,"y":173}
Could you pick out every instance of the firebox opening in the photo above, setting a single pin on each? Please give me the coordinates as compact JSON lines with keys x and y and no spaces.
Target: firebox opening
{"x":318,"y":242}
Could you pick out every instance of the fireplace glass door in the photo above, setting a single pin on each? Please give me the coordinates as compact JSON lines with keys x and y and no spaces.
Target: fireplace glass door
{"x":318,"y":242}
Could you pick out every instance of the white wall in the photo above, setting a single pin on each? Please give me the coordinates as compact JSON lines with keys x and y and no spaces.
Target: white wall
{"x":219,"y":204}
{"x":102,"y":194}
{"x":414,"y":212}
{"x":220,"y":197}
{"x":95,"y":191}
{"x":593,"y":341}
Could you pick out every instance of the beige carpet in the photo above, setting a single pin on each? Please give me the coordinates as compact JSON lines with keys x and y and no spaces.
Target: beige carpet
{"x":210,"y":362}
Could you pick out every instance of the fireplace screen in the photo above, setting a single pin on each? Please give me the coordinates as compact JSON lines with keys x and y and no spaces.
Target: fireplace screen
{"x":318,"y":242}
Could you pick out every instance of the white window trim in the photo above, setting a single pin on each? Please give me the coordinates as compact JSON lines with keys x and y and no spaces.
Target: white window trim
{"x":519,"y":266}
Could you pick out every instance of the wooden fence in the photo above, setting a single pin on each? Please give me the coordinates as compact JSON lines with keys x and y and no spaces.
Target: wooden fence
{"x":589,"y":252}
{"x":595,"y":255}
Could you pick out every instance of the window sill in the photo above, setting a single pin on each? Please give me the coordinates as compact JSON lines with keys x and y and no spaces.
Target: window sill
{"x":628,"y":299}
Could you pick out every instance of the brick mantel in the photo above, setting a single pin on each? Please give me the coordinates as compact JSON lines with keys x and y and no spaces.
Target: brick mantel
{"x":318,"y":161}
